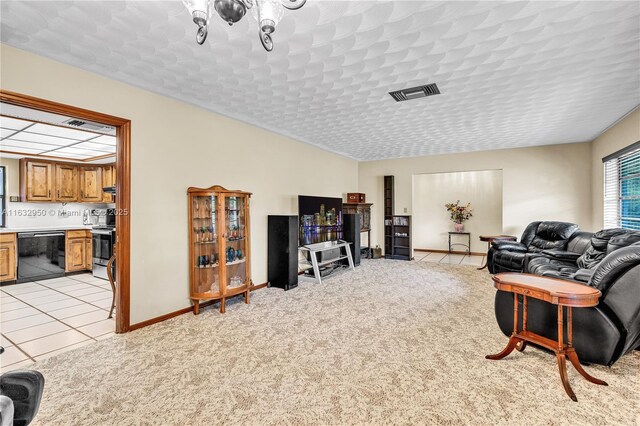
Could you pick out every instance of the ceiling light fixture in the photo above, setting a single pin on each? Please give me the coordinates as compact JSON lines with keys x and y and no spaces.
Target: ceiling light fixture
{"x":267,"y":12}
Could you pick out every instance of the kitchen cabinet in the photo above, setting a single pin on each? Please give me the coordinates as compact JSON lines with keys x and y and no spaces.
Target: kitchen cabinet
{"x":91,"y":184}
{"x":52,"y":181}
{"x":36,"y":180}
{"x":78,"y":250}
{"x":8,"y":262}
{"x":66,"y":183}
{"x":108,"y":179}
{"x":88,"y":242}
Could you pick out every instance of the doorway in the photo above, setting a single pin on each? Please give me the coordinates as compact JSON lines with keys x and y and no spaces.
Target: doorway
{"x":123,"y":188}
{"x":432,"y":222}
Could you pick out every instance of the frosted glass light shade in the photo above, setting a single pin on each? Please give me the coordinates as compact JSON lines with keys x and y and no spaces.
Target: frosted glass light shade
{"x":268,"y":13}
{"x":199,"y":10}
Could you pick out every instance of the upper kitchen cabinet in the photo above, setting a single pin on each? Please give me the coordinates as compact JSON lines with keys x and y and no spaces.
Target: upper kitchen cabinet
{"x":53,"y":181}
{"x":108,"y":179}
{"x":91,"y":184}
{"x":66,"y":183}
{"x":36,"y":180}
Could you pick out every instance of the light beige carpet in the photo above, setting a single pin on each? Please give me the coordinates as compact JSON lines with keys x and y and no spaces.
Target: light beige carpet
{"x":392,"y":343}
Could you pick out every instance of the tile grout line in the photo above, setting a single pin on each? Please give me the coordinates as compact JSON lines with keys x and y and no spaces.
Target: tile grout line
{"x":56,"y":319}
{"x":15,"y":345}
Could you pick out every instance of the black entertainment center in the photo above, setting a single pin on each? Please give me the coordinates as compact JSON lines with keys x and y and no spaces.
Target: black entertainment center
{"x":321,"y":230}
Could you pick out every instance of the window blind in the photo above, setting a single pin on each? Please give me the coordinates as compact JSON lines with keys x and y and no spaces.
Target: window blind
{"x":622,"y":191}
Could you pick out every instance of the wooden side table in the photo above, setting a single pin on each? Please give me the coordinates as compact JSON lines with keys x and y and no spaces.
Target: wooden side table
{"x":558,"y":292}
{"x":491,"y":238}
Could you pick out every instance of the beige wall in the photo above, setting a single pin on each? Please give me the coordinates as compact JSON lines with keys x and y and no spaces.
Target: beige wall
{"x":541,"y":183}
{"x":431,"y":220}
{"x":619,"y":136}
{"x":174,"y":146}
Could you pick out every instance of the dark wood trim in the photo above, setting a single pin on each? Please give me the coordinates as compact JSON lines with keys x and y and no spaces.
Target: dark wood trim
{"x":179,"y":312}
{"x":473,"y":253}
{"x":58,"y":108}
{"x":257,"y":286}
{"x":123,"y":188}
{"x":55,"y":125}
{"x":123,"y":225}
{"x":164,"y":317}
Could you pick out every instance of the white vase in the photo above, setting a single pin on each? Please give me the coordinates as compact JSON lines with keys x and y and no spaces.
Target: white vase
{"x":459,"y":227}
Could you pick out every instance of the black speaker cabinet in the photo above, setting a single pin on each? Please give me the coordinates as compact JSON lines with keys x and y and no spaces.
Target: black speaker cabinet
{"x":282,"y":257}
{"x":351,"y":233}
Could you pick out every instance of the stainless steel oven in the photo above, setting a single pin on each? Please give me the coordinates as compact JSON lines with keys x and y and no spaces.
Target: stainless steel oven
{"x":104,"y":239}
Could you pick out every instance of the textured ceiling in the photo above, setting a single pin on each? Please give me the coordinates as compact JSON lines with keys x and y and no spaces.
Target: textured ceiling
{"x":511,"y":74}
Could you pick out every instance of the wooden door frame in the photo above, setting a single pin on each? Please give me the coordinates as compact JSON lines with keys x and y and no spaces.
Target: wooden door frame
{"x":123,"y":188}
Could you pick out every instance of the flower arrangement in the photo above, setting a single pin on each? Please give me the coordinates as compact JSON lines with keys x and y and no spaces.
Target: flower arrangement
{"x":459,"y":214}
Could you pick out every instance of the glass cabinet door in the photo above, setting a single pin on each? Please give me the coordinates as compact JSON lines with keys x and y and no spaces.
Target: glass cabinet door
{"x":205,"y":241}
{"x":236,"y":242}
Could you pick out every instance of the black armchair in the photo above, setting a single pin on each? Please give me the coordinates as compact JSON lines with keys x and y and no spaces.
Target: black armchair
{"x":24,"y":388}
{"x":510,"y":256}
{"x":602,"y":334}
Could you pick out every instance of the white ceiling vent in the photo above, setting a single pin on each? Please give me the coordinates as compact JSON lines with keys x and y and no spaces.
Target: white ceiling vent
{"x":87,"y":125}
{"x":415,"y":92}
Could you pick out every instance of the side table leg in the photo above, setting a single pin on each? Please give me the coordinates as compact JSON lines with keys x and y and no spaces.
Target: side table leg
{"x":573,"y":357}
{"x":562,"y":365}
{"x":511,"y":345}
{"x":513,"y":340}
{"x":486,"y":259}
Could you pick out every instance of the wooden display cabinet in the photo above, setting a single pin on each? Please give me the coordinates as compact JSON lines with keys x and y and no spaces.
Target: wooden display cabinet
{"x":219,"y":245}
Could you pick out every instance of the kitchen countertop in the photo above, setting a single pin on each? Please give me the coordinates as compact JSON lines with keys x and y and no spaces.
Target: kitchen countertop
{"x":43,"y":229}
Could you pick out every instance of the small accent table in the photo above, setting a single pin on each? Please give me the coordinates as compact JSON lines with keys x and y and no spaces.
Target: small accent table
{"x":468,"y":245}
{"x":558,"y":292}
{"x":491,"y":238}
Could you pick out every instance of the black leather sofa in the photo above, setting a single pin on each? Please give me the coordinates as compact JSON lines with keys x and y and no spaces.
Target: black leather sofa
{"x":509,"y":256}
{"x":608,"y":260}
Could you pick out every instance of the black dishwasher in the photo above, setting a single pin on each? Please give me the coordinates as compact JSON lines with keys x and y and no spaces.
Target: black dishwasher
{"x":40,"y":255}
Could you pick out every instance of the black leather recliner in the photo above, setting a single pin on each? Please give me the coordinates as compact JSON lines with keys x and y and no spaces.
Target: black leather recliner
{"x":509,"y":256}
{"x":601,"y":334}
{"x":584,"y":252}
{"x":23,"y":388}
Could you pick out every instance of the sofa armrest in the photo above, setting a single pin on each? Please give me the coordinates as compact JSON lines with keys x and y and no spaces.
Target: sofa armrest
{"x":567,"y":256}
{"x":509,"y":246}
{"x":613,"y":266}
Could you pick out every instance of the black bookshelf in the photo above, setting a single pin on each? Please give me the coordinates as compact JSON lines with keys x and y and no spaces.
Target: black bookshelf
{"x":388,"y":213}
{"x":397,"y":229}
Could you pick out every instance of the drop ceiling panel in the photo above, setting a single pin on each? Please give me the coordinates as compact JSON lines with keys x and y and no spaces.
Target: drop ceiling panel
{"x":106,"y":140}
{"x":100,"y":148}
{"x":63,"y":132}
{"x":5,"y":133}
{"x":18,"y":144}
{"x":12,"y":123}
{"x":35,"y":137}
{"x":71,"y":145}
{"x":511,"y":74}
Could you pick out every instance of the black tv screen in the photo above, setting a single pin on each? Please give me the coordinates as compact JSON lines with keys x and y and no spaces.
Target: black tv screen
{"x":320,"y":219}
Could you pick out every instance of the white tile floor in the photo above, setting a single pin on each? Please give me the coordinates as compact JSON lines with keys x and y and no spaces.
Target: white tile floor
{"x":44,"y":318}
{"x":453,"y":259}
